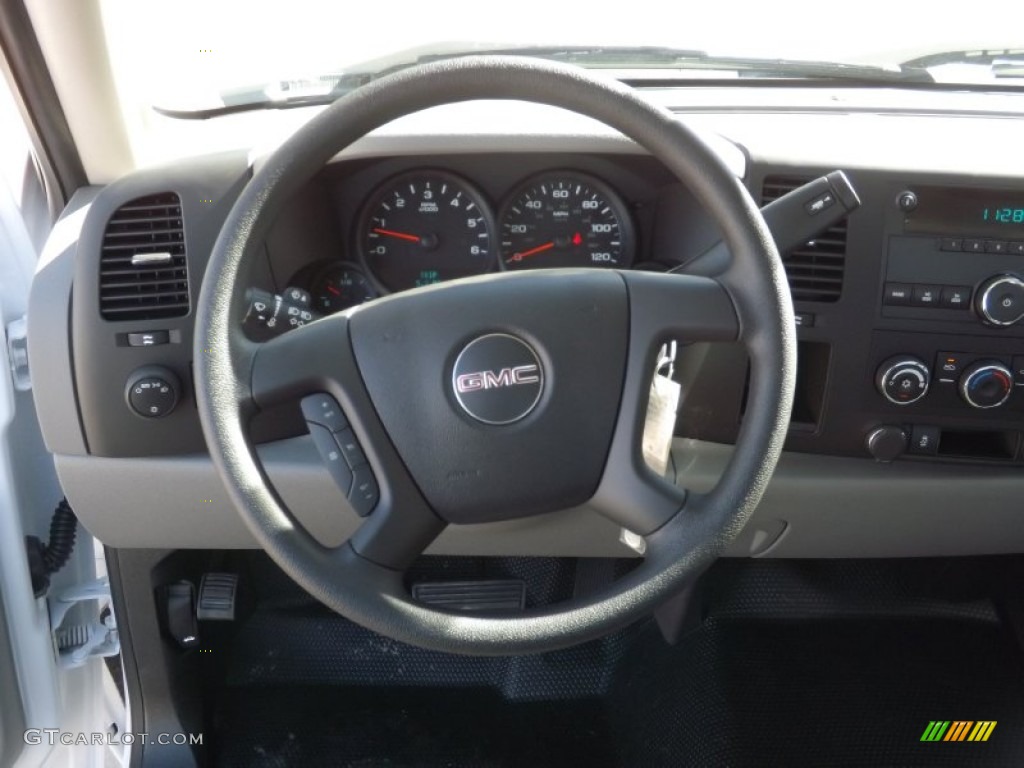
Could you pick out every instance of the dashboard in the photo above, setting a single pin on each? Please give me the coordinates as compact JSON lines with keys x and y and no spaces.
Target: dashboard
{"x":906,"y":437}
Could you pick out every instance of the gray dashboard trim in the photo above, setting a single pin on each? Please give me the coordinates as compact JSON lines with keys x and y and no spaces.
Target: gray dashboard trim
{"x":506,"y":127}
{"x":49,"y":320}
{"x":815,"y":506}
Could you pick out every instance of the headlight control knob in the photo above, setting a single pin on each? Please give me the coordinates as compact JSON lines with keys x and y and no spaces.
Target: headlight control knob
{"x":1000,"y":300}
{"x":986,"y":384}
{"x":152,"y":391}
{"x":903,"y":379}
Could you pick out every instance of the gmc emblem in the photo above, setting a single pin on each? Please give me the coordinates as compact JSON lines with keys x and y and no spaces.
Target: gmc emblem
{"x":506,"y":377}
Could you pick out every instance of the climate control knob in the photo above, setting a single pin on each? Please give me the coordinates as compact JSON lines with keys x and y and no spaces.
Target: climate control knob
{"x":986,"y":384}
{"x":1000,"y":300}
{"x":903,"y":379}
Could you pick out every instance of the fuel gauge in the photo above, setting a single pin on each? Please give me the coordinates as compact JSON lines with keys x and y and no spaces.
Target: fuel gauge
{"x":339,"y":287}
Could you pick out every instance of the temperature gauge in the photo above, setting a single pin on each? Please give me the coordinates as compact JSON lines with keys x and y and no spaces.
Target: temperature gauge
{"x":339,"y":287}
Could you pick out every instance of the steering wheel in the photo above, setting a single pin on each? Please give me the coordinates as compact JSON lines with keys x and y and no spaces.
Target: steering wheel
{"x":503,"y":396}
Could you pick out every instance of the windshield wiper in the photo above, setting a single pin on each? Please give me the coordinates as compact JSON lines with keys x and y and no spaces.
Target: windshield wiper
{"x":676,"y":65}
{"x":1000,"y":62}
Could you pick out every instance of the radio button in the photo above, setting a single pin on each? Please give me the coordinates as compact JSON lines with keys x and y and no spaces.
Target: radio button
{"x":898,"y":294}
{"x":952,"y":244}
{"x":1001,"y":300}
{"x":926,"y":295}
{"x":956,"y":297}
{"x":996,"y":246}
{"x":1017,"y":247}
{"x":972,"y":245}
{"x":948,"y":366}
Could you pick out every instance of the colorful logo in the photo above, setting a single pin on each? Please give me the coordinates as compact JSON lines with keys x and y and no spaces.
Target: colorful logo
{"x":958,"y":730}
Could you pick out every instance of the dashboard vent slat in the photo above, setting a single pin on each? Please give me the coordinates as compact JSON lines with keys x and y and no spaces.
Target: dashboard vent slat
{"x":151,"y":224}
{"x":815,"y":269}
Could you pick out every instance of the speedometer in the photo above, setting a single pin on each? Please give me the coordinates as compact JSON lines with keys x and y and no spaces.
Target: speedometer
{"x":426,"y":227}
{"x":565,"y":219}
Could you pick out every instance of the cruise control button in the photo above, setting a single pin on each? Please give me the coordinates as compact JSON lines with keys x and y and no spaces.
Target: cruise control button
{"x":948,"y":366}
{"x":364,"y":494}
{"x":924,"y":440}
{"x":926,"y":295}
{"x":331,"y":454}
{"x":350,"y":448}
{"x":324,"y":410}
{"x":897,"y":294}
{"x":956,"y":297}
{"x":820,"y":203}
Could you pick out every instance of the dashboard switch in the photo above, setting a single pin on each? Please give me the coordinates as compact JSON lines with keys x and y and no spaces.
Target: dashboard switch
{"x":364,"y":494}
{"x":948,"y":366}
{"x":1018,"y":370}
{"x":887,"y":443}
{"x":986,"y":384}
{"x":926,"y":295}
{"x":324,"y":410}
{"x":1000,"y":300}
{"x":152,"y":391}
{"x":955,"y":297}
{"x":924,"y":440}
{"x":148,"y":338}
{"x":903,"y":380}
{"x":350,"y":448}
{"x":332,"y":457}
{"x":907,"y":201}
{"x":898,"y":294}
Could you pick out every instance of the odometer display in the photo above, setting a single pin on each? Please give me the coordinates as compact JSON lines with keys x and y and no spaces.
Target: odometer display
{"x":426,"y":227}
{"x":565,"y":219}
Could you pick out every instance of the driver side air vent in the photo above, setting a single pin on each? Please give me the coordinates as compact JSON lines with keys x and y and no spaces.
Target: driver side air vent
{"x":143,"y":271}
{"x":815,"y":270}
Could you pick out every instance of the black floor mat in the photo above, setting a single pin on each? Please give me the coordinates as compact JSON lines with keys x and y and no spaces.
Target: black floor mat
{"x":815,"y":693}
{"x":794,"y":664}
{"x":402,"y":728}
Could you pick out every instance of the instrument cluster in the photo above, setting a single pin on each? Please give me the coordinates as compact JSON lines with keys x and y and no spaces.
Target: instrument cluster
{"x":427,"y":226}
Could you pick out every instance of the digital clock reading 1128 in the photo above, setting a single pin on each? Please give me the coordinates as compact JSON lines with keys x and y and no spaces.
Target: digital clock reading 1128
{"x":1003,"y":215}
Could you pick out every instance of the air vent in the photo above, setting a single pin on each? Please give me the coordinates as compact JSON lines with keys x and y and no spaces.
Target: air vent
{"x":815,"y":270}
{"x":143,"y":272}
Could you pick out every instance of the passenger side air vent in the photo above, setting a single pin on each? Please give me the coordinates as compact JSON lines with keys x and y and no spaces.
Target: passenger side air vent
{"x":143,"y":271}
{"x":815,"y":270}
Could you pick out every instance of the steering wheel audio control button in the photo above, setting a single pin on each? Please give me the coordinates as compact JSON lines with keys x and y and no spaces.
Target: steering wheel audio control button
{"x":350,"y":448}
{"x":332,"y":457}
{"x":364,"y":494}
{"x":322,"y":409}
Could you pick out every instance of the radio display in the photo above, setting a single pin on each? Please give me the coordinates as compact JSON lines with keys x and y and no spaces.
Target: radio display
{"x":982,"y":212}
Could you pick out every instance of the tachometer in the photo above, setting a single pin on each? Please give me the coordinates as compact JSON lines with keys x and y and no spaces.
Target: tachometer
{"x":426,"y":227}
{"x":565,"y":219}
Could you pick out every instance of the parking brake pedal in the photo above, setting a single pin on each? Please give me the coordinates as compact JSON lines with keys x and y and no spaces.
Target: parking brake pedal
{"x":473,"y":596}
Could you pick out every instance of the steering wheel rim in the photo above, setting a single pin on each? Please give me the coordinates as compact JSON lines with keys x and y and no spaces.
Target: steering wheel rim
{"x":362,"y":579}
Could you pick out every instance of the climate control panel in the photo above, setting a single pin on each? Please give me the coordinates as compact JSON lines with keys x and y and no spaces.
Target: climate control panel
{"x":973,"y":380}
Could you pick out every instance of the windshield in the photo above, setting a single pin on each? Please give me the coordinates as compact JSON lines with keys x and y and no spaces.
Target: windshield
{"x":195,"y":55}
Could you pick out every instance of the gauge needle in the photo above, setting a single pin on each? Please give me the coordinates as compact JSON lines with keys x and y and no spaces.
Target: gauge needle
{"x":399,"y":235}
{"x":532,"y":251}
{"x":333,"y":290}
